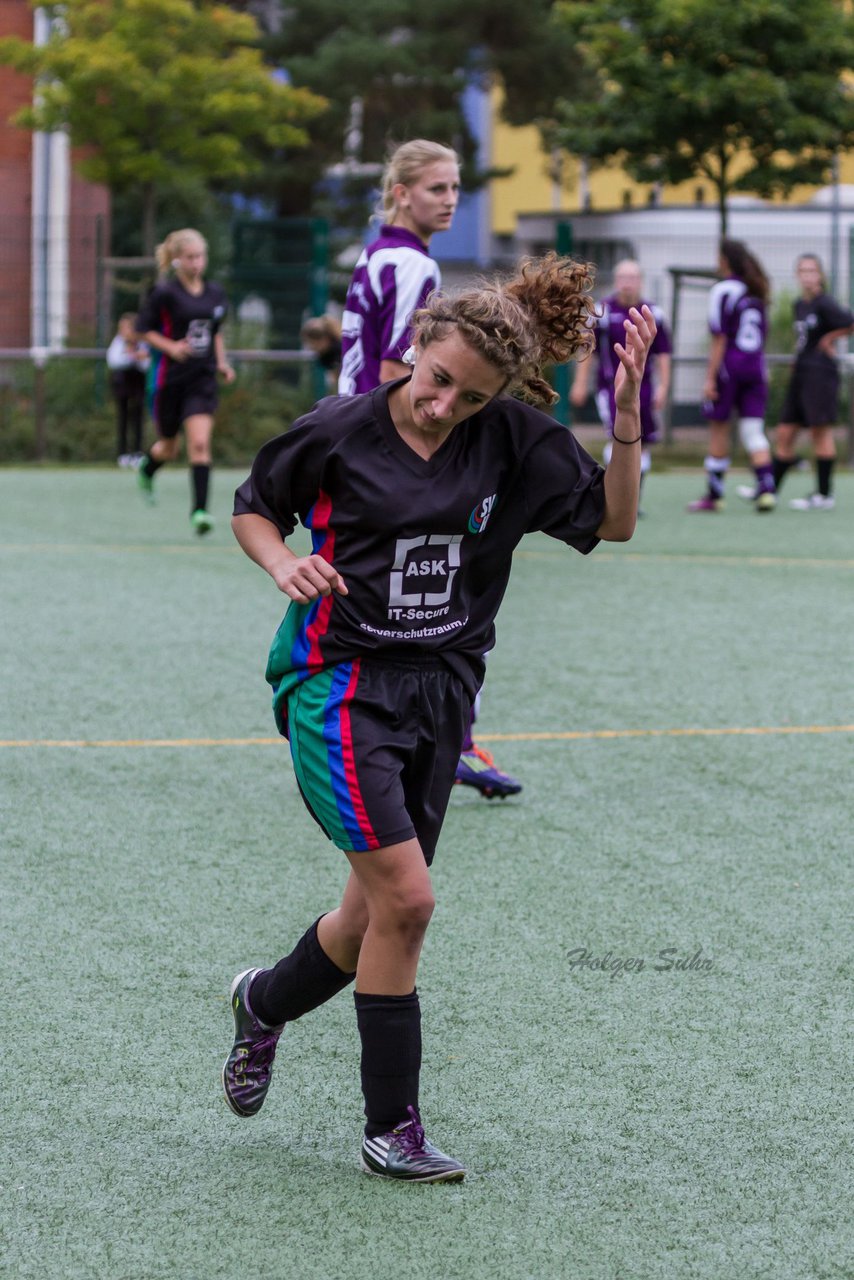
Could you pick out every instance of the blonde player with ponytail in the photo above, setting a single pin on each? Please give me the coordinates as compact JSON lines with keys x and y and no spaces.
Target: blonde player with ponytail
{"x":394,"y":276}
{"x":181,"y":321}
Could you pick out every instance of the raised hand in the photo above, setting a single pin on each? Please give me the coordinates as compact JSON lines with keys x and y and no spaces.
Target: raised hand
{"x":640,"y":333}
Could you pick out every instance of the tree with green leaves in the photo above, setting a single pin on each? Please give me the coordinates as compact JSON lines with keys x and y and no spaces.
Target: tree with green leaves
{"x":390,"y":76}
{"x":750,"y":96}
{"x":153,"y":88}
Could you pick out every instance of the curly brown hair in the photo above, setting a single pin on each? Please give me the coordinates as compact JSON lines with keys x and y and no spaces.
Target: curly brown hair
{"x":543,"y":315}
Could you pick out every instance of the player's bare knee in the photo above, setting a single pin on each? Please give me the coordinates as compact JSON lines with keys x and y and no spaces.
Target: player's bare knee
{"x":407,"y":914}
{"x":352,"y":928}
{"x":753,"y":437}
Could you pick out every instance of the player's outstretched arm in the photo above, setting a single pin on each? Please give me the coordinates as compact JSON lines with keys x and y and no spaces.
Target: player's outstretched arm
{"x":717,"y":351}
{"x":581,"y":382}
{"x":302,"y":578}
{"x":223,"y":368}
{"x":622,"y":475}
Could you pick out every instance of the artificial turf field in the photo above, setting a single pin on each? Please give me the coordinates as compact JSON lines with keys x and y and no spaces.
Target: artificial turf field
{"x":679,"y":710}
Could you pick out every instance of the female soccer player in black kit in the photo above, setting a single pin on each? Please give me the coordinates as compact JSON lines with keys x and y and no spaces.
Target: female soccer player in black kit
{"x":415,"y":494}
{"x":812,"y":397}
{"x":180,"y":320}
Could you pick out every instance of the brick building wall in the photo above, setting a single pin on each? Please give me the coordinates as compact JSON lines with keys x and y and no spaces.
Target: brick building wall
{"x":86,"y":204}
{"x":16,"y":19}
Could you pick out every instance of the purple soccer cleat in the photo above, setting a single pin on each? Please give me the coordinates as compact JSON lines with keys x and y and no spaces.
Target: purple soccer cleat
{"x":708,"y":503}
{"x":405,"y":1155}
{"x":476,"y":768}
{"x":249,"y":1067}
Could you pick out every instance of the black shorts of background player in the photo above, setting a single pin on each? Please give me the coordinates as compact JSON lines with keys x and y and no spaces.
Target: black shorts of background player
{"x":812,"y":396}
{"x":181,"y":320}
{"x":416,"y":495}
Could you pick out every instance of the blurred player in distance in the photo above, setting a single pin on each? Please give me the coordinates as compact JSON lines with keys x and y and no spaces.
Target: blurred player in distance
{"x":736,"y":377}
{"x":128,"y":360}
{"x":181,"y":320}
{"x":393,"y":276}
{"x":627,"y":293}
{"x":812,"y":396}
{"x":322,"y":335}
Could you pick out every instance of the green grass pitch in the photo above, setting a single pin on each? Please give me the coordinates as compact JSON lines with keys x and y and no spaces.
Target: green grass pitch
{"x":681,"y":1124}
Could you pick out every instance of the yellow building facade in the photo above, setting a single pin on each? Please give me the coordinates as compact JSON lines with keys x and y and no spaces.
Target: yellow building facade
{"x":559,"y":183}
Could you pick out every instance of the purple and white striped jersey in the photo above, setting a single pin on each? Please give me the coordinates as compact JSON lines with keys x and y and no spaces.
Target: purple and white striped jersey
{"x":741,"y":319}
{"x":392,"y":278}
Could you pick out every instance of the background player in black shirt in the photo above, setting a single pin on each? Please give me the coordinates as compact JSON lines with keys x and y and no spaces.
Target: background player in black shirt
{"x":812,"y":397}
{"x":128,"y":360}
{"x":415,"y":494}
{"x":180,"y":320}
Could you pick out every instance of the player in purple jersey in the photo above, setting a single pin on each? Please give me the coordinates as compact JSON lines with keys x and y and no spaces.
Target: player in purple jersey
{"x":736,"y":379}
{"x":812,"y":397}
{"x":628,"y":286}
{"x":392,"y":278}
{"x":180,"y":320}
{"x":395,"y":273}
{"x":416,"y":495}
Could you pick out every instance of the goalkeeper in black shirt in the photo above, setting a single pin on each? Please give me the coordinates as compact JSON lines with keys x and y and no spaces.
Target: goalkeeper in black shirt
{"x":812,"y":396}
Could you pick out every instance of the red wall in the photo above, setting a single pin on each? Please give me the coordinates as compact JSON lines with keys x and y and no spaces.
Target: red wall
{"x":16,"y":18}
{"x":87,"y":203}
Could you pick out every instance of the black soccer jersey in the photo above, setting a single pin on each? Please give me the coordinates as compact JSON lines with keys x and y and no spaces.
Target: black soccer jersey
{"x":171,"y":310}
{"x":424,"y":547}
{"x":815,"y":317}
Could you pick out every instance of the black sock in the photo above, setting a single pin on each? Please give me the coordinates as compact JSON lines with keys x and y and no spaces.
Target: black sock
{"x":390,"y":1027}
{"x":781,"y":466}
{"x":149,"y":465}
{"x":200,"y":473}
{"x":299,"y":983}
{"x":824,"y":475}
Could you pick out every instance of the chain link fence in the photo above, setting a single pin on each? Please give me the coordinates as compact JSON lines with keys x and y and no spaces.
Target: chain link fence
{"x":57,"y":406}
{"x":55,"y":401}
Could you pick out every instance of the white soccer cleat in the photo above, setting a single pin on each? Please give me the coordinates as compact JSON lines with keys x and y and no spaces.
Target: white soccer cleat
{"x":815,"y":502}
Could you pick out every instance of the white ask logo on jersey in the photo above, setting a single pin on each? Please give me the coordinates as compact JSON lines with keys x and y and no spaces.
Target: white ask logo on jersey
{"x":423,"y":572}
